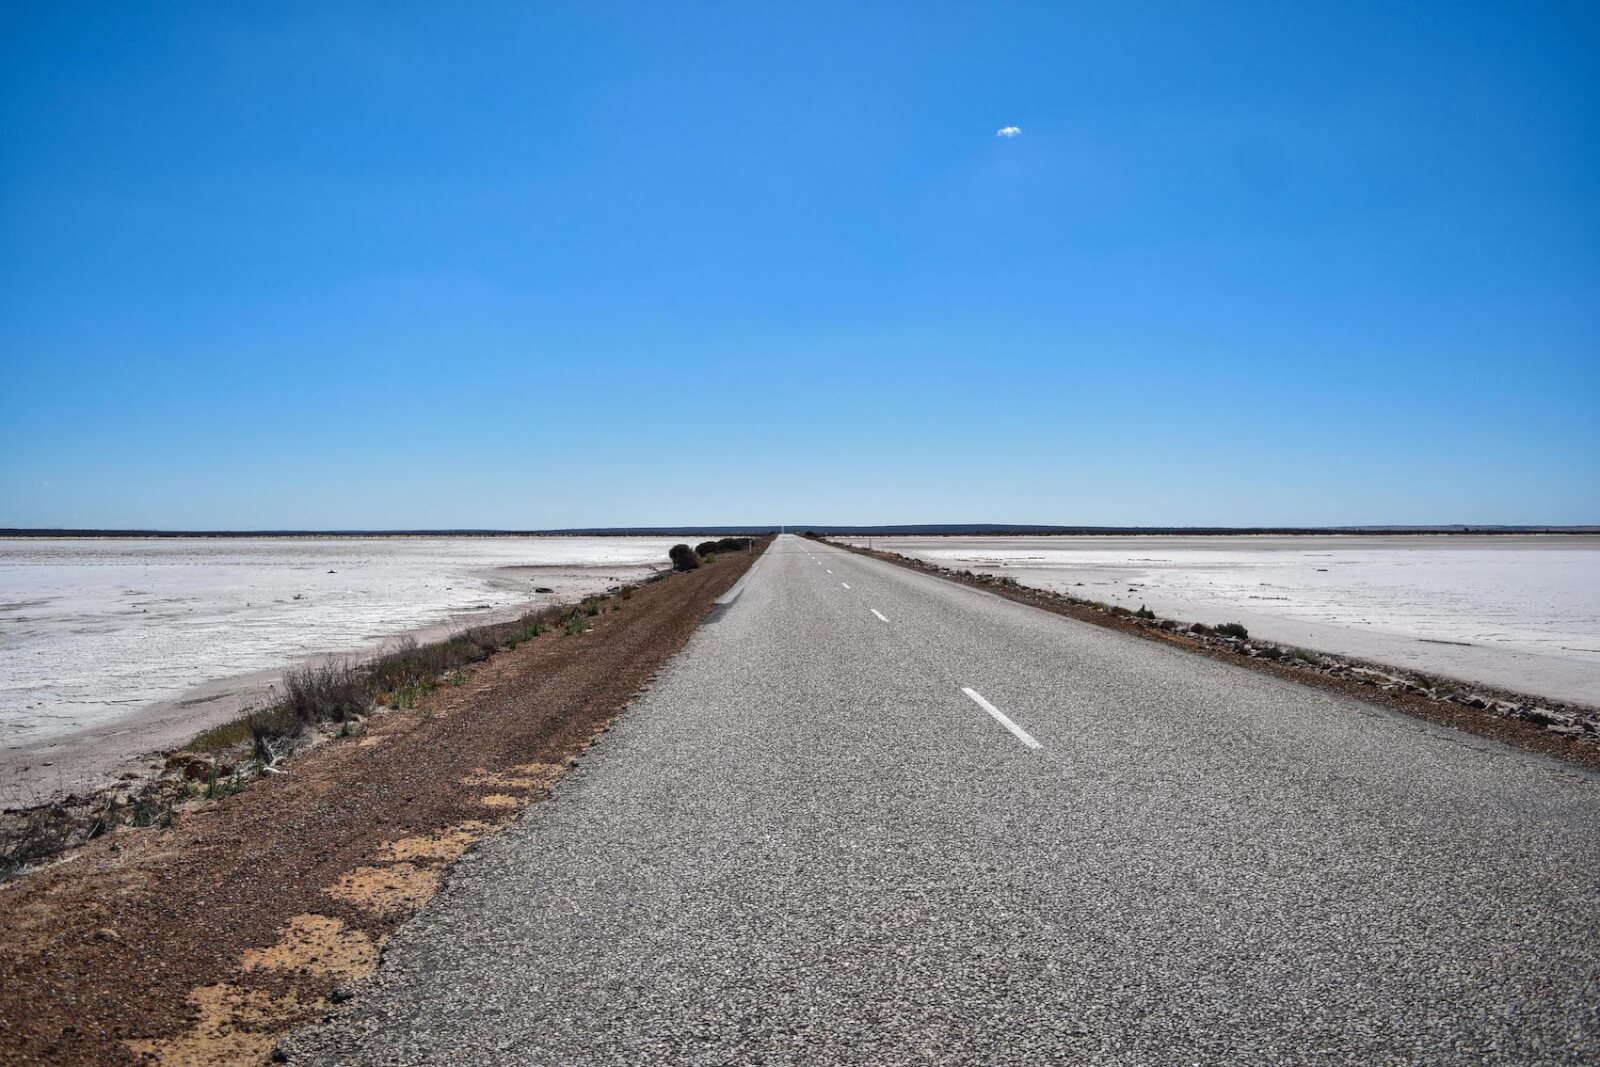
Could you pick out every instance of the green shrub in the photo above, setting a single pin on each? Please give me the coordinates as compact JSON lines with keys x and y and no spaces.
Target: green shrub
{"x":267,"y":725}
{"x":1144,"y":613}
{"x":683,"y":558}
{"x":221,"y":737}
{"x":325,"y":694}
{"x":1232,"y":629}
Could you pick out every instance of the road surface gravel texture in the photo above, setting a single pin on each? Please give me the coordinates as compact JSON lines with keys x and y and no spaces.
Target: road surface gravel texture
{"x":808,"y":844}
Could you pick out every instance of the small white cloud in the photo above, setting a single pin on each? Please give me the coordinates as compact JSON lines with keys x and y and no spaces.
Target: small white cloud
{"x":1008,"y":131}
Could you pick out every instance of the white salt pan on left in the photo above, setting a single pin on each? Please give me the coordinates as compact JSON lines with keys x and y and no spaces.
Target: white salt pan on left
{"x":93,"y":630}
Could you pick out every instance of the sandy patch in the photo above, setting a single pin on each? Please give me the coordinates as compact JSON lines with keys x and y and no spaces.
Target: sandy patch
{"x":522,"y":776}
{"x":317,"y":944}
{"x":387,"y":891}
{"x":235,"y":1026}
{"x":545,"y":772}
{"x":444,"y":847}
{"x":500,"y":781}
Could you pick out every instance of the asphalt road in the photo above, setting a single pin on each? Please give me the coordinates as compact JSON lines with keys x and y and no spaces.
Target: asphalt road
{"x":811,"y":844}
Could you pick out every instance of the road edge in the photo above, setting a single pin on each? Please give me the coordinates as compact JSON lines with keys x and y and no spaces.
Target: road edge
{"x":1550,"y":729}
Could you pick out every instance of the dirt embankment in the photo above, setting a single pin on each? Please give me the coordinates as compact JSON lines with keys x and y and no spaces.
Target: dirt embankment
{"x":1567,"y":732}
{"x":207,"y":941}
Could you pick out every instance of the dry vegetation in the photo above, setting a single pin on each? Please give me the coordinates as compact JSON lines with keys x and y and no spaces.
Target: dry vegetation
{"x":313,"y":702}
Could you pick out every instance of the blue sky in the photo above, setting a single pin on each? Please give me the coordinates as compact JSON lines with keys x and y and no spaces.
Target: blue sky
{"x":344,"y":266}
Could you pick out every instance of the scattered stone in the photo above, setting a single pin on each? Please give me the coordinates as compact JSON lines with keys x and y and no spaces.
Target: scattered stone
{"x":199,"y":769}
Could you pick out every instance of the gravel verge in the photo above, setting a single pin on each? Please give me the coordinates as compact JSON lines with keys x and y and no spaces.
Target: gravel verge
{"x":206,"y":940}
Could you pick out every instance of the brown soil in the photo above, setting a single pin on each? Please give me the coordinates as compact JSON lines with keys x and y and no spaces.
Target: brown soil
{"x":205,"y":942}
{"x":1518,"y":733}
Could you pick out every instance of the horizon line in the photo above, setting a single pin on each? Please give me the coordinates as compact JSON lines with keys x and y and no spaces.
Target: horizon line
{"x":820,"y":528}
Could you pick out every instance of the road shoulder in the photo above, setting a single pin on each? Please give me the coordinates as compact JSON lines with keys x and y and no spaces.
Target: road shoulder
{"x":208,"y":940}
{"x":1566,"y":733}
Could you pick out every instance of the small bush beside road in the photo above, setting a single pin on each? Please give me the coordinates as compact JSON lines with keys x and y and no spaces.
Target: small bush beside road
{"x":313,"y":700}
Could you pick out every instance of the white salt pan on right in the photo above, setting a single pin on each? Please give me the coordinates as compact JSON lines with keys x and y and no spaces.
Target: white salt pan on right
{"x":1518,"y":612}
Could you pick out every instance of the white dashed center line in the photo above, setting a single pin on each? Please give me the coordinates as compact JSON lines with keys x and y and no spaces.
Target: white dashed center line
{"x":845,"y":584}
{"x":878,"y":613}
{"x":1000,"y":717}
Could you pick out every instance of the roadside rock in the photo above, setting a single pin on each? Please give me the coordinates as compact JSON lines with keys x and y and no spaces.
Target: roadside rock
{"x":199,"y":770}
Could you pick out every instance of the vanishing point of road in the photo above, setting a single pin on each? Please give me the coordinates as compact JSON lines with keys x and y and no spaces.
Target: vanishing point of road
{"x":872,"y":817}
